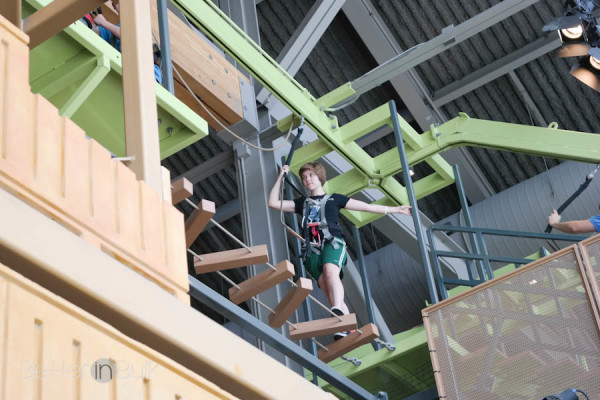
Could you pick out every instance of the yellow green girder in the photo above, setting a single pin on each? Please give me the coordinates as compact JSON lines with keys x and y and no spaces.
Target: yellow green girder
{"x":378,"y":172}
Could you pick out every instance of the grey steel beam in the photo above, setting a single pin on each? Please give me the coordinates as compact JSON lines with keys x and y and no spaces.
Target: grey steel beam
{"x":536,"y":114}
{"x":447,"y":39}
{"x":303,"y":41}
{"x":500,"y":67}
{"x":256,"y":174}
{"x":383,"y":46}
{"x":165,"y":46}
{"x":208,"y":167}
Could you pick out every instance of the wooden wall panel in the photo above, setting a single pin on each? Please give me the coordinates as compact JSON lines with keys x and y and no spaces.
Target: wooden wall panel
{"x":50,"y":348}
{"x":48,"y":162}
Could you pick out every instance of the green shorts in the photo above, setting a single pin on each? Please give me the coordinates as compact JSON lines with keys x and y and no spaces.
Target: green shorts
{"x":314,"y":264}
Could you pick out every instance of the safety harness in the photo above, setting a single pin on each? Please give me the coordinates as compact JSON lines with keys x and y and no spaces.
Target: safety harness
{"x":320,"y":229}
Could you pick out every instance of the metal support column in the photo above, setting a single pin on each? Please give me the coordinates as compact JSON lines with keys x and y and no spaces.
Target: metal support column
{"x":413,"y":203}
{"x":166,"y":64}
{"x":306,"y":303}
{"x":256,"y":175}
{"x":477,"y":238}
{"x":365,"y":280}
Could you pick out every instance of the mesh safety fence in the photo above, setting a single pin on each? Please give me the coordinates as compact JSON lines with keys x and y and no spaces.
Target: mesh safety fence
{"x":527,"y":335}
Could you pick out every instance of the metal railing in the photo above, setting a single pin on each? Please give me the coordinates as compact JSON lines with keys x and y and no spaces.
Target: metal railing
{"x":484,"y":270}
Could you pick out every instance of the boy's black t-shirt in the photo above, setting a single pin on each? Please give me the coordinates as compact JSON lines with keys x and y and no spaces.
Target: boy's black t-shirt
{"x":332,"y":211}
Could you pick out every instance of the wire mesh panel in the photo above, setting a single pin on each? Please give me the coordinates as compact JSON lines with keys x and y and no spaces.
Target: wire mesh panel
{"x":590,"y":249}
{"x":526,"y":335}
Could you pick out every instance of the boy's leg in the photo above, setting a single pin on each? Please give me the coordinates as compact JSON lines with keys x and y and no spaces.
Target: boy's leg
{"x":332,"y":286}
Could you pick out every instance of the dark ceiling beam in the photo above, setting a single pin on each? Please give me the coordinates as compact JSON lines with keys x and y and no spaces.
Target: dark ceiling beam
{"x":501,"y":66}
{"x":383,"y":46}
{"x":536,"y":114}
{"x":208,"y":167}
{"x":450,"y":37}
{"x":304,"y":40}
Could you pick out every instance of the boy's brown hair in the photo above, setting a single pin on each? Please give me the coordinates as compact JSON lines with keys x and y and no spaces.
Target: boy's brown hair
{"x":317,"y":168}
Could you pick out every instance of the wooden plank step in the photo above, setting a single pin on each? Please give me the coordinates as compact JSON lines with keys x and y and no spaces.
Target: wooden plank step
{"x":261,"y":282}
{"x":324,"y":326}
{"x":182,"y":189}
{"x":229,"y":259}
{"x":292,"y":300}
{"x":349,"y":343}
{"x":198,"y":220}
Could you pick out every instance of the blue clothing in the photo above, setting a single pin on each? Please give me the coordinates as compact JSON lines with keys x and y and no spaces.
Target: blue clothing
{"x":116,"y":43}
{"x":596,"y":222}
{"x":110,"y":38}
{"x":157,"y":74}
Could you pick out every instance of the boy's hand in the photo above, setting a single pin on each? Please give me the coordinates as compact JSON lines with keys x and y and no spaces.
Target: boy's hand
{"x":553,"y":218}
{"x":406,"y":210}
{"x":284,"y":170}
{"x":100,"y":20}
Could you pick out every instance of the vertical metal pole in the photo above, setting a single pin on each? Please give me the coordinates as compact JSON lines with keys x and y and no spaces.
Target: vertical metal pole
{"x":413,"y":203}
{"x":436,"y":264}
{"x":365,"y":280}
{"x":312,"y":347}
{"x":165,"y":46}
{"x":476,"y":241}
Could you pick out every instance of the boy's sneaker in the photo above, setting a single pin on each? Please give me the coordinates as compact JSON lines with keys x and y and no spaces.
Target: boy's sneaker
{"x":338,"y":335}
{"x":341,"y":335}
{"x":337,"y":311}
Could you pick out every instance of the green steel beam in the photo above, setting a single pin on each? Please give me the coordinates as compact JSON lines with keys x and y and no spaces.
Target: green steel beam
{"x":378,"y":172}
{"x":86,"y":88}
{"x":67,"y":74}
{"x":81,"y":75}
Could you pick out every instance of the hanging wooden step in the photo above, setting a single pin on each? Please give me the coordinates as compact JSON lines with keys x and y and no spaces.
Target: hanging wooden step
{"x":198,"y":220}
{"x":261,"y":282}
{"x":181,"y":190}
{"x":349,"y":343}
{"x":324,"y":326}
{"x":292,"y":300}
{"x":229,"y":259}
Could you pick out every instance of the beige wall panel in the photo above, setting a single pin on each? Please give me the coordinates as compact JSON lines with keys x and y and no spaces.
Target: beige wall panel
{"x":128,"y":208}
{"x":152,"y":225}
{"x":175,"y":246}
{"x":51,"y":348}
{"x":50,"y":128}
{"x":76,"y":189}
{"x":103,"y":188}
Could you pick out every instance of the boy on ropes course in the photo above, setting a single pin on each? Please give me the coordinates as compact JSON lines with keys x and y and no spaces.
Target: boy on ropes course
{"x":324,"y":249}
